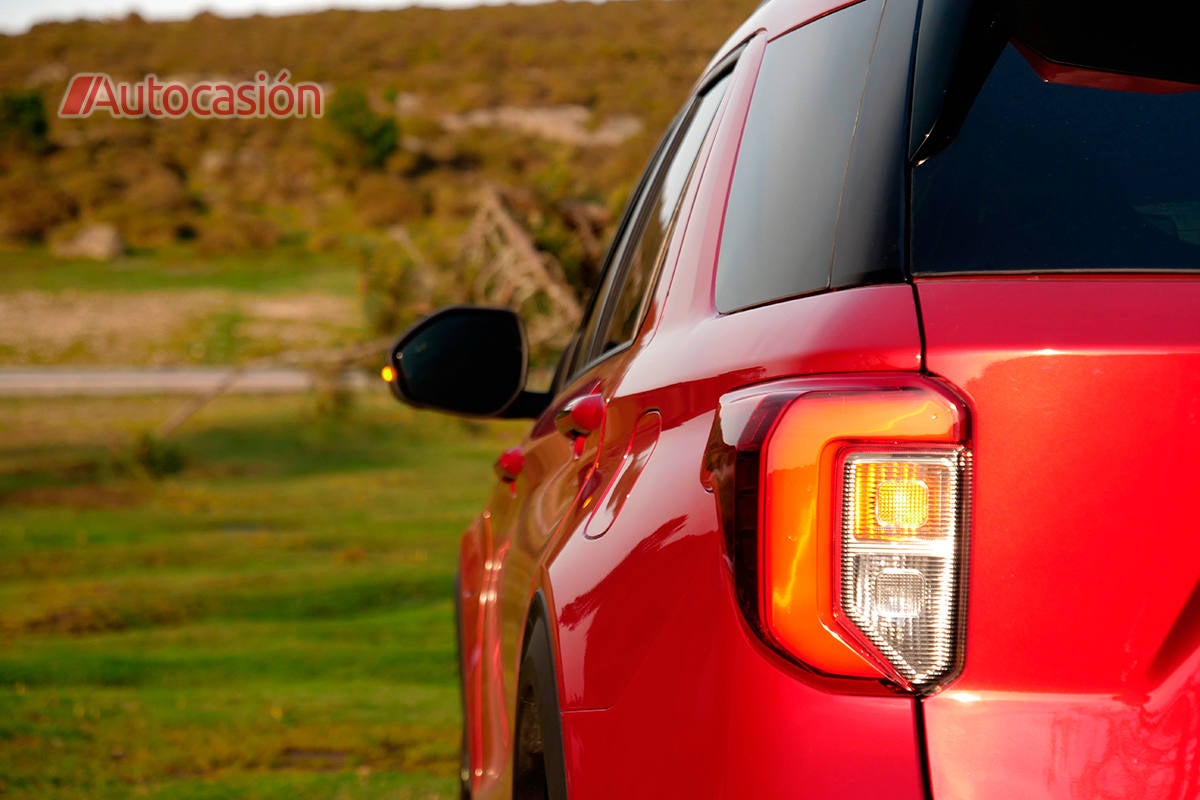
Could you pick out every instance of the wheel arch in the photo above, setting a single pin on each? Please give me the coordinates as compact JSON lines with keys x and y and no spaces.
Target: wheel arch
{"x":538,"y":655}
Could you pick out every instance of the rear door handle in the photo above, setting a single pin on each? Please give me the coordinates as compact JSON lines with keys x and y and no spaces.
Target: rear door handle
{"x":579,"y":418}
{"x":508,"y":467}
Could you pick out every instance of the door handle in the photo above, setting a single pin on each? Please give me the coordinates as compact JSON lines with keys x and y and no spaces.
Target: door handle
{"x":579,"y":418}
{"x":509,"y":466}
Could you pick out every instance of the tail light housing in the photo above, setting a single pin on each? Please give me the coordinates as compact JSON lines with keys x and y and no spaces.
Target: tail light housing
{"x":845,"y":502}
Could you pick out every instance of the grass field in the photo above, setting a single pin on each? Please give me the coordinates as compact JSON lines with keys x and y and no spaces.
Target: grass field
{"x":281,"y":269}
{"x":174,"y":307}
{"x":273,"y":621}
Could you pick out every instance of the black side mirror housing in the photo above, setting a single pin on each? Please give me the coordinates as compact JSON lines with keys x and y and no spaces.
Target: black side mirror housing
{"x":465,"y":360}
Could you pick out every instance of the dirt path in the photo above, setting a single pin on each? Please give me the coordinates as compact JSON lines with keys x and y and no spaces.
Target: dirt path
{"x":76,"y":381}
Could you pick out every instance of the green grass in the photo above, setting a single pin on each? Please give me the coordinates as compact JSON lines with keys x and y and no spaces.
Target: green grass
{"x":179,"y":268}
{"x":275,"y":621}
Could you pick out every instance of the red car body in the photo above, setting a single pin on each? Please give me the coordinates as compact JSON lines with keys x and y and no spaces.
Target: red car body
{"x":663,"y":548}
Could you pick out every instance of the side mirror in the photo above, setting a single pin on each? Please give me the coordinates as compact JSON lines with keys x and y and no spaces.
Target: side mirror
{"x":465,"y":360}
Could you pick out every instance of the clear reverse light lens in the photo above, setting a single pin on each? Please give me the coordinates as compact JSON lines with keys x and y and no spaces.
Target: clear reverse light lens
{"x":901,"y":542}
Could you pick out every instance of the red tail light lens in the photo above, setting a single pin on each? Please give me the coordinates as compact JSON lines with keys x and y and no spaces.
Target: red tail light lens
{"x":853,"y":561}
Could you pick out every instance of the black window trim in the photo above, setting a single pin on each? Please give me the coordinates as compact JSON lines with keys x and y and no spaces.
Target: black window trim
{"x":632,"y":225}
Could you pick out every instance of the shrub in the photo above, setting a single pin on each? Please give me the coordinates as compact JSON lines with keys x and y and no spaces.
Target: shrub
{"x":157,"y":457}
{"x":232,"y":232}
{"x":368,"y":138}
{"x":395,"y":290}
{"x":30,"y":205}
{"x":23,"y":123}
{"x":383,"y":200}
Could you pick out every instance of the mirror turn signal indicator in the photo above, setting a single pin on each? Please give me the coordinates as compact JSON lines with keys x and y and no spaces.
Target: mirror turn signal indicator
{"x":392,"y":378}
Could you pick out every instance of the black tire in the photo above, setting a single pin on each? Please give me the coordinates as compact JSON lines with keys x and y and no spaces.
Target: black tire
{"x":464,"y":770}
{"x":464,"y":757}
{"x":538,"y":765}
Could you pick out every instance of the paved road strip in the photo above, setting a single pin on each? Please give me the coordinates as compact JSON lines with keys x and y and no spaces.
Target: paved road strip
{"x":115,"y":381}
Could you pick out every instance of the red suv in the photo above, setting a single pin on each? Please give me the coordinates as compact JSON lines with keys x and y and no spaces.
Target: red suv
{"x":871,"y":471}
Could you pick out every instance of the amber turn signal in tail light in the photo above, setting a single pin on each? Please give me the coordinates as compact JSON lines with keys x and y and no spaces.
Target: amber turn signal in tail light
{"x":898,"y":555}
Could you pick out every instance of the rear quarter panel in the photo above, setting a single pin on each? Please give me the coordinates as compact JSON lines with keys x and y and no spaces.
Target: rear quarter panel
{"x":1080,"y":678}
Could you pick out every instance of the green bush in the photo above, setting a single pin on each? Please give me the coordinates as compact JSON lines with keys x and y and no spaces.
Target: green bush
{"x":394,"y":291}
{"x":368,"y":138}
{"x":157,"y":457}
{"x":23,"y":123}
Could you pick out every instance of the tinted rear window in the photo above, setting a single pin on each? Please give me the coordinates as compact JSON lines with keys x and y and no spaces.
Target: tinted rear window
{"x":1046,"y":176}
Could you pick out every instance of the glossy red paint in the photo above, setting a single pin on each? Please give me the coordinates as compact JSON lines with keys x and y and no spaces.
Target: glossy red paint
{"x":625,"y":476}
{"x":654,"y":593}
{"x":654,"y":589}
{"x":1081,"y":678}
{"x":1079,"y":398}
{"x":777,"y":18}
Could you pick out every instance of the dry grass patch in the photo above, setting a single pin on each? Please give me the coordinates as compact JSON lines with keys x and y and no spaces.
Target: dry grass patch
{"x":166,"y":328}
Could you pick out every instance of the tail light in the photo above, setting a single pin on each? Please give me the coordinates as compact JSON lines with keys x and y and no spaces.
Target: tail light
{"x":899,"y":540}
{"x":845,"y":503}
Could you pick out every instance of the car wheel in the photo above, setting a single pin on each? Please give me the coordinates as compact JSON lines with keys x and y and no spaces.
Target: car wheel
{"x":464,"y":757}
{"x":538,"y":765}
{"x":464,"y":770}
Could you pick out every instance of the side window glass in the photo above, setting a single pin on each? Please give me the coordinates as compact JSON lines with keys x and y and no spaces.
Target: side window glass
{"x":580,"y":349}
{"x":782,"y":214}
{"x":627,"y":285}
{"x":644,"y":257}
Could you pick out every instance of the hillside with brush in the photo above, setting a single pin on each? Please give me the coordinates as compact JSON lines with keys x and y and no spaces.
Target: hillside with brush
{"x":448,"y":136}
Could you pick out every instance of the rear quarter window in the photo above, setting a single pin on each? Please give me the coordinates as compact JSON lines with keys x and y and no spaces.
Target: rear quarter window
{"x":778,"y":236}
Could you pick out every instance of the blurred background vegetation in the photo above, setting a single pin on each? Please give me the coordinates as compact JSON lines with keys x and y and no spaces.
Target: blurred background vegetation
{"x":555,"y":106}
{"x":259,"y":604}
